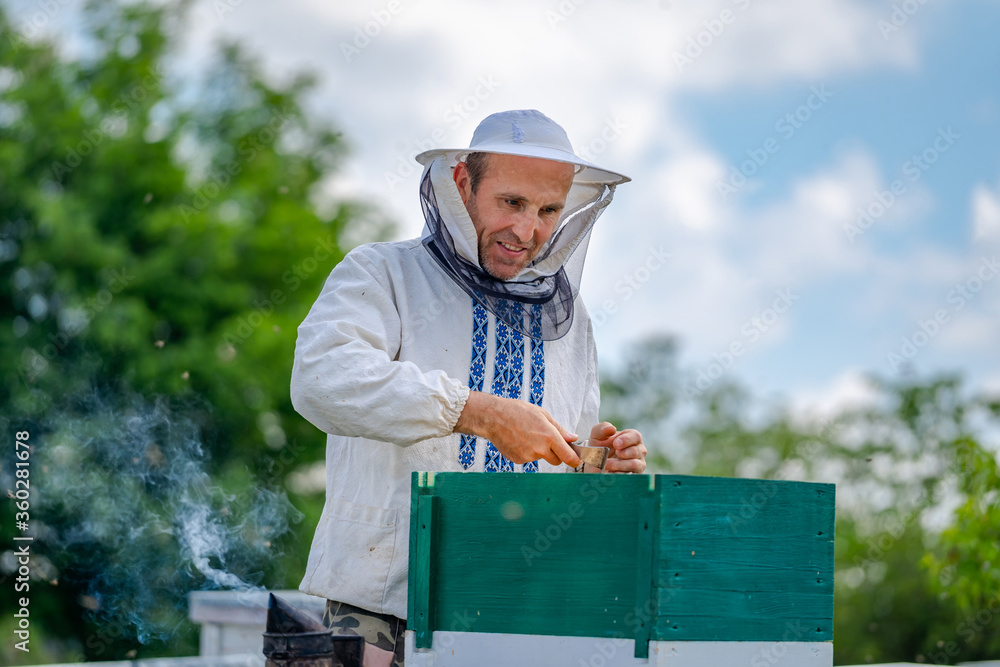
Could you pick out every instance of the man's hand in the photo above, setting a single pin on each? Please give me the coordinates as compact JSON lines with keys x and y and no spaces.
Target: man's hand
{"x":628,"y":454}
{"x":521,"y":431}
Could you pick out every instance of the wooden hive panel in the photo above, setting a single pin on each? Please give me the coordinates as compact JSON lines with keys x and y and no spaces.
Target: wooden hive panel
{"x":686,"y":559}
{"x":534,"y":554}
{"x":744,"y":559}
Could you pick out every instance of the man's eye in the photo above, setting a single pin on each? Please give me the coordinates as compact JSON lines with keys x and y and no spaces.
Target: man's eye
{"x":513,"y":202}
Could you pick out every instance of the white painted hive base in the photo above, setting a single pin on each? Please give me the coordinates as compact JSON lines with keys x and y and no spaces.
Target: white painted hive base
{"x":503,"y":650}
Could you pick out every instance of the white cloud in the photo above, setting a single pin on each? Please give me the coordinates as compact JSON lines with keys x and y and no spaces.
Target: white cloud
{"x":991,"y":385}
{"x":850,"y":389}
{"x":897,"y":292}
{"x":804,"y":237}
{"x":685,"y":186}
{"x":788,"y":40}
{"x":985,"y":213}
{"x":726,"y":269}
{"x":969,"y":331}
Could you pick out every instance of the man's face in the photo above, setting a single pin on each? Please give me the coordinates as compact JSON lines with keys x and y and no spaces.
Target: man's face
{"x":515,"y":209}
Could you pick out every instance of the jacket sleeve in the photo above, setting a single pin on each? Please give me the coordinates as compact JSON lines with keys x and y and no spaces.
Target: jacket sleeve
{"x":346,"y":379}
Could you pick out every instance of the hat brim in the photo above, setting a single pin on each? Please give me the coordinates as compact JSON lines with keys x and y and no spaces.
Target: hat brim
{"x":588,"y":172}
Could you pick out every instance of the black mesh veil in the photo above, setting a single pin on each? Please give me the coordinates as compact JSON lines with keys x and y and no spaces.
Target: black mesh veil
{"x":551,"y":281}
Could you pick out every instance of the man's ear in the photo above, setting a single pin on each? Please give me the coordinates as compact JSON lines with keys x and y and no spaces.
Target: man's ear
{"x":462,"y":181}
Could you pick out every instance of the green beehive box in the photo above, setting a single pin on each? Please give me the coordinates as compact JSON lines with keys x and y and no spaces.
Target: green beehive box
{"x":663,"y":558}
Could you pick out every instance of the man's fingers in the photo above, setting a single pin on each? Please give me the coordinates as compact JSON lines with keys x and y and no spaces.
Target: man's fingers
{"x":627,"y":438}
{"x":636,"y":452}
{"x":562,"y":452}
{"x":552,"y":458}
{"x":603,"y":431}
{"x":563,"y":433}
{"x":566,"y":455}
{"x":626,"y":465}
{"x":628,"y":453}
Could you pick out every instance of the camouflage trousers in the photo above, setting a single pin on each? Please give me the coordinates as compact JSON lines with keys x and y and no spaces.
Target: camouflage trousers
{"x":383,"y":631}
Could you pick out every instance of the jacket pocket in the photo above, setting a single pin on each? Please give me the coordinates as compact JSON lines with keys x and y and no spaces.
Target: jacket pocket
{"x":358,"y":548}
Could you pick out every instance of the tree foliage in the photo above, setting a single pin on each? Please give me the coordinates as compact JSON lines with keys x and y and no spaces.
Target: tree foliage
{"x":162,"y":233}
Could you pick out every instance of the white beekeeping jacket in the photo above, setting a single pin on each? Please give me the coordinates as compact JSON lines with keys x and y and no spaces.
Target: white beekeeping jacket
{"x":384,"y":362}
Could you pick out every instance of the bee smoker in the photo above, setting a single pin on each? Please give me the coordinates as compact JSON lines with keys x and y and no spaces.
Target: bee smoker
{"x":293,"y":639}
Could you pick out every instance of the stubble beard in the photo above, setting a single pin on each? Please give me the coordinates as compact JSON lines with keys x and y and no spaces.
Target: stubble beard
{"x":499,"y":270}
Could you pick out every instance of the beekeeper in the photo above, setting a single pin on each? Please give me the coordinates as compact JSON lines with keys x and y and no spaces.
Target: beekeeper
{"x":466,"y":349}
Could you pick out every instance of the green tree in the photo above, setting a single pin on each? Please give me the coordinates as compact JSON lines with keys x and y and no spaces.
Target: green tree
{"x":161,"y":237}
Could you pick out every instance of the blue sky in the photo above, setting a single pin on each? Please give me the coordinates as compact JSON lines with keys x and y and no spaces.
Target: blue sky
{"x":431,"y":70}
{"x":679,"y":130}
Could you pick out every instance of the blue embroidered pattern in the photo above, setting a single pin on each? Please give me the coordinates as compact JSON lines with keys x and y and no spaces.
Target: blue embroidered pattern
{"x":477,"y":372}
{"x":508,"y":374}
{"x":537,"y":368}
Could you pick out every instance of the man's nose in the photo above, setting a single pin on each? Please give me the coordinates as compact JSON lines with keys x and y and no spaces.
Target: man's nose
{"x":525,"y":226}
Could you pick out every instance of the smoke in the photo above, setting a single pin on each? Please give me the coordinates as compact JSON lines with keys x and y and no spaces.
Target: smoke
{"x":131,"y":516}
